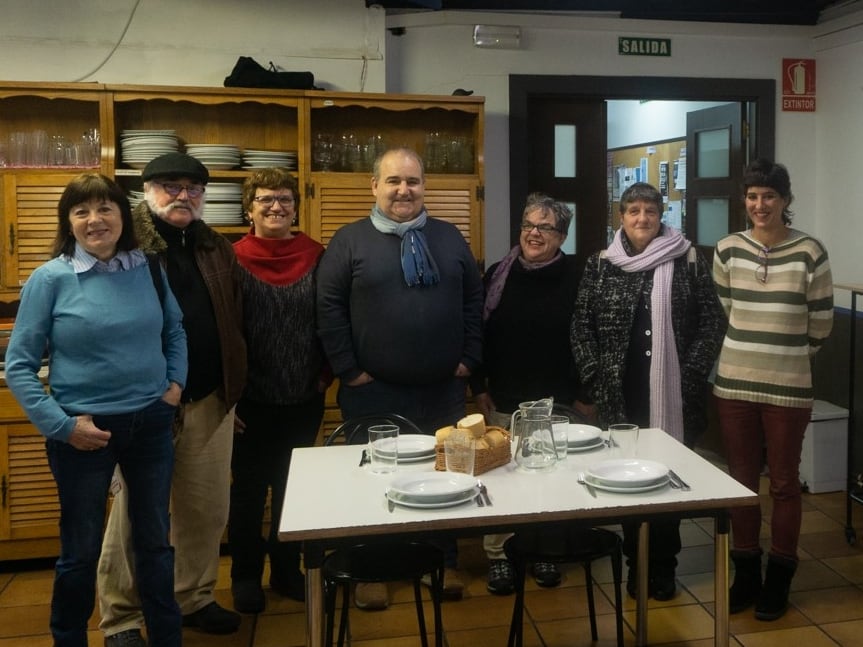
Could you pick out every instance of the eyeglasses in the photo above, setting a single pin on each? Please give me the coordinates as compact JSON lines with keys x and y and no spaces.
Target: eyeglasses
{"x":761,"y":270}
{"x":174,"y":189}
{"x":268,"y":200}
{"x":542,"y":228}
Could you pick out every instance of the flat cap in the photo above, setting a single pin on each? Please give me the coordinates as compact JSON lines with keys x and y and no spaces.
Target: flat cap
{"x":176,"y":165}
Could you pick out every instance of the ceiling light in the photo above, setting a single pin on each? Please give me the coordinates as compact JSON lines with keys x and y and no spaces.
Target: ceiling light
{"x":497,"y":36}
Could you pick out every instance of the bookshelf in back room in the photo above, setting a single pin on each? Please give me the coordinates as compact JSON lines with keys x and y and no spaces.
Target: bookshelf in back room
{"x":45,"y":117}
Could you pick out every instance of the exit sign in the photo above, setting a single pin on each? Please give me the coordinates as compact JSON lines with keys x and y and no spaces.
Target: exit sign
{"x":632,"y":46}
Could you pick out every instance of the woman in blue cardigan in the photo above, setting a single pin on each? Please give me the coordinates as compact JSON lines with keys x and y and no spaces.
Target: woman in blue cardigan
{"x":117,"y":365}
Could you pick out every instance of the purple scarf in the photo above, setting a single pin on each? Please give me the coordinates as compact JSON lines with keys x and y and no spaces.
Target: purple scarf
{"x":501,"y":273}
{"x":666,"y":397}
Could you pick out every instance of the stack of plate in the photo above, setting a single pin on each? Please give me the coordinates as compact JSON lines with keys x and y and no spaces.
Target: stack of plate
{"x":627,"y":475}
{"x":135,"y":198}
{"x":409,"y":448}
{"x":138,"y":147}
{"x":224,"y":204}
{"x":432,"y":490}
{"x":582,"y":438}
{"x":263,"y":159}
{"x":215,"y":156}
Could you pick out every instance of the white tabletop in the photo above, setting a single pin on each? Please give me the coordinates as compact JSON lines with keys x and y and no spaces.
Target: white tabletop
{"x":329,"y":495}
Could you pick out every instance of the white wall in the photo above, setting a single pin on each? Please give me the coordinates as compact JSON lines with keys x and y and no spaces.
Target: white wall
{"x":631,"y":122}
{"x":192,"y":42}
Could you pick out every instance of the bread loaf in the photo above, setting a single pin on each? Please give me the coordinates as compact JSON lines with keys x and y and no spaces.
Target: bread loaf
{"x":495,"y":438}
{"x":442,"y":434}
{"x":475,"y":422}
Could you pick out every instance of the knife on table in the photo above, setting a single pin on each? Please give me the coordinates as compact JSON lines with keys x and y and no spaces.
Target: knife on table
{"x":683,"y":485}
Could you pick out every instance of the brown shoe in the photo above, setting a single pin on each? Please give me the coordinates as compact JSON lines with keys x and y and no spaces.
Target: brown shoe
{"x":371,"y":596}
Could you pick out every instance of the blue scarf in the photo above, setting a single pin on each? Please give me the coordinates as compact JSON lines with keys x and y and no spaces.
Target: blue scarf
{"x":418,"y":265}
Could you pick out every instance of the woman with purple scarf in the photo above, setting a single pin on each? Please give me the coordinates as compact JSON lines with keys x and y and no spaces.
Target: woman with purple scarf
{"x":646,"y":331}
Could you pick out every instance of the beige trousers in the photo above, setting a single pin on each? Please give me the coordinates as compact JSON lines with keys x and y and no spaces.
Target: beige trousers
{"x":493,"y":544}
{"x":199,"y":512}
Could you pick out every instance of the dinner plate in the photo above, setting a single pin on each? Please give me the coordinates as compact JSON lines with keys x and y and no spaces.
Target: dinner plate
{"x":574,"y":449}
{"x":419,"y":458}
{"x":582,"y":434}
{"x":432,"y":487}
{"x":407,"y":446}
{"x":410,"y":502}
{"x":628,"y":472}
{"x":626,"y":490}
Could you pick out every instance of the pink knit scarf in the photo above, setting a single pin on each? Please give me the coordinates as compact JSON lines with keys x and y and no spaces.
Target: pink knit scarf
{"x":666,"y":396}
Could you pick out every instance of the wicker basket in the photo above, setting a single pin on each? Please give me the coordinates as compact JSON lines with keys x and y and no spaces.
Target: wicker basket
{"x":484,"y":459}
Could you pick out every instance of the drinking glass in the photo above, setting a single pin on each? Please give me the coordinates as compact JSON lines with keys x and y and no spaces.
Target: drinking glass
{"x":624,"y":438}
{"x":459,"y":452}
{"x":559,"y":428}
{"x":383,"y":448}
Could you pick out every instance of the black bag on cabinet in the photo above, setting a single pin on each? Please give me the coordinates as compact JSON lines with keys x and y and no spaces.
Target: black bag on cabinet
{"x":248,"y":73}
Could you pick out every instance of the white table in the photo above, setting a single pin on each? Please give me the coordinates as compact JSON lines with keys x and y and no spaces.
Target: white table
{"x":330,"y":499}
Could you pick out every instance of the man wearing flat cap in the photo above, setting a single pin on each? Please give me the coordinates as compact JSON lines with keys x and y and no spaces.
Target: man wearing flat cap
{"x":202,"y":272}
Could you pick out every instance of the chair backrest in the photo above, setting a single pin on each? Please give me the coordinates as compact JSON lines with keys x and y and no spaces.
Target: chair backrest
{"x":356,"y":430}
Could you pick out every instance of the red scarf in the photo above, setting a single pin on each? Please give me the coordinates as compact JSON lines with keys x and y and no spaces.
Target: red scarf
{"x":278,"y":261}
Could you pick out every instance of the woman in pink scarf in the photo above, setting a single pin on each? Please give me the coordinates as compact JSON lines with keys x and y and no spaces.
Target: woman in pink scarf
{"x":646,"y":332}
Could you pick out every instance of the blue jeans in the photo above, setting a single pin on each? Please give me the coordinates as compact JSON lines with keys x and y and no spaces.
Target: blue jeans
{"x":142,"y":444}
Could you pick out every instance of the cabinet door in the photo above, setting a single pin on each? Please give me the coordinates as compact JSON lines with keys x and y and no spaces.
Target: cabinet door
{"x":29,"y":508}
{"x":335,"y":199}
{"x":29,"y":215}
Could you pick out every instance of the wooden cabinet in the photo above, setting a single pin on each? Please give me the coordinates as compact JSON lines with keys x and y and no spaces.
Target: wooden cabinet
{"x":29,"y":509}
{"x":446,"y":131}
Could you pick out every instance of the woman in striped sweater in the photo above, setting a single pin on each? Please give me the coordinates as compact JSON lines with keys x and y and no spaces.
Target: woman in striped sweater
{"x":775,"y":285}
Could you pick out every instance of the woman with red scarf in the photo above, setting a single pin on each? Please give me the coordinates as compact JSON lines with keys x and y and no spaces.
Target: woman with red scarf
{"x":283,"y":403}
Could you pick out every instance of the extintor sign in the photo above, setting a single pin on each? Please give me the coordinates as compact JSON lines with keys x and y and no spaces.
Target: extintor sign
{"x":798,"y":84}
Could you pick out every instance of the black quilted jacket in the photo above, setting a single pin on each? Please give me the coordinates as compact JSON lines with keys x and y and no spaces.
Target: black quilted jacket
{"x":602,"y":325}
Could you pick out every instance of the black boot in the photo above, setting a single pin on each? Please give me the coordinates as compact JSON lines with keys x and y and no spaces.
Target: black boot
{"x":773,"y":601}
{"x":747,"y":580}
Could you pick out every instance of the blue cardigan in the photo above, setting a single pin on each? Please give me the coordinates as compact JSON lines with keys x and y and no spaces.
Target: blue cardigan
{"x":105,"y":332}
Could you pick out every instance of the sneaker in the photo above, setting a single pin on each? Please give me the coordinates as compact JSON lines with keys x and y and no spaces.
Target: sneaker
{"x":371,"y":596}
{"x":248,"y":596}
{"x":213,"y":619}
{"x":453,"y":587}
{"x":291,"y":586}
{"x":129,"y":638}
{"x":500,"y":577}
{"x":546,"y":574}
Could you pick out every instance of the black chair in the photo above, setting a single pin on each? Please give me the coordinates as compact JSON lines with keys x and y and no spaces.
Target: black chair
{"x":565,"y":545}
{"x":356,"y":430}
{"x":391,"y":561}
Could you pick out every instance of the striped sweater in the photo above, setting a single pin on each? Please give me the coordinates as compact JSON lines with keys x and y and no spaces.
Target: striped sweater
{"x":774,"y":326}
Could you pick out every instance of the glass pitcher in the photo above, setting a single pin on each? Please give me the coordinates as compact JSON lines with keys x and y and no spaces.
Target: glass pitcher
{"x":531,"y":424}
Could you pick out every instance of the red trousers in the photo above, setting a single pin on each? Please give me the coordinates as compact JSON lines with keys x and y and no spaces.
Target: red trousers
{"x":748,"y":429}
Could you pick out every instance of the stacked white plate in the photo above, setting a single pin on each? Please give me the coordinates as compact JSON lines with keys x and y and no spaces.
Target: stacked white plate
{"x":432,"y":490}
{"x":627,"y":475}
{"x":409,"y":448}
{"x":138,"y":147}
{"x":135,"y":198}
{"x":263,"y":159}
{"x":224,"y":206}
{"x":215,"y":156}
{"x":582,"y":438}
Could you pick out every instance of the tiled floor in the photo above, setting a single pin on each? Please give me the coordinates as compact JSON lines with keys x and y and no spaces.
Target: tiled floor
{"x":827,"y":602}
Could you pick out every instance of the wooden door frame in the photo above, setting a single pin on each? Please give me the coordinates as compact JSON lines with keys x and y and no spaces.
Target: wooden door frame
{"x":524,"y":88}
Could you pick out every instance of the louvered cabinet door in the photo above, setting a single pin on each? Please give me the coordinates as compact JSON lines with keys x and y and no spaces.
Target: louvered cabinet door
{"x":338,"y":199}
{"x":29,"y":221}
{"x":29,"y":507}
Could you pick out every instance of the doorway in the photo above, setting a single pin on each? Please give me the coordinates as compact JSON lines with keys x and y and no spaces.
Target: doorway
{"x":533,"y":99}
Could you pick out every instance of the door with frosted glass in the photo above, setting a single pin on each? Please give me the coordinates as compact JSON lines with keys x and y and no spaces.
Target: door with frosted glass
{"x":566,"y":158}
{"x":714,"y":166}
